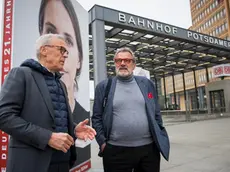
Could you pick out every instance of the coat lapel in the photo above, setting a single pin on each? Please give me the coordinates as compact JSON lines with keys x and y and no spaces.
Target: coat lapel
{"x":145,"y":91}
{"x":143,"y":88}
{"x":40,"y":81}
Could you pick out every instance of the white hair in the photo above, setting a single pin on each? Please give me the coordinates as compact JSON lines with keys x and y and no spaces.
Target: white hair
{"x":45,"y":40}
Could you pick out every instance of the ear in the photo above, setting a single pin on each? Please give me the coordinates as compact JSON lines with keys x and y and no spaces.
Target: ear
{"x":43,"y":50}
{"x":134,"y":66}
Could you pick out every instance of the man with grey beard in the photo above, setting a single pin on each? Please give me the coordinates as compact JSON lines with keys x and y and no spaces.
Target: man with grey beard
{"x":129,"y":127}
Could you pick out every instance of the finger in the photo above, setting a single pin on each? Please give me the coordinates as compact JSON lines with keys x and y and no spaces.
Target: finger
{"x":70,"y":139}
{"x":91,"y":130}
{"x":63,"y":149}
{"x":84,"y":122}
{"x":66,"y":146}
{"x":91,"y":136}
{"x":67,"y":142}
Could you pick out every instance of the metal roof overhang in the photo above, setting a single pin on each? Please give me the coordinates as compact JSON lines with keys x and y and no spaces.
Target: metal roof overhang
{"x":163,"y":49}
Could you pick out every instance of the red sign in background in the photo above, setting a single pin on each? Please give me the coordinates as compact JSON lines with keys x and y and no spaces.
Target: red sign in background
{"x":85,"y":166}
{"x":6,"y":66}
{"x":221,"y":70}
{"x":227,"y":70}
{"x":218,"y":71}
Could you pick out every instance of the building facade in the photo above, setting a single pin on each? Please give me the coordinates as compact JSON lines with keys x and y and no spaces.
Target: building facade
{"x":211,"y":17}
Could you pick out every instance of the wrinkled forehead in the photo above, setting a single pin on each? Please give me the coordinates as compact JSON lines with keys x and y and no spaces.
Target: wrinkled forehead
{"x":124,"y":55}
{"x":58,"y":42}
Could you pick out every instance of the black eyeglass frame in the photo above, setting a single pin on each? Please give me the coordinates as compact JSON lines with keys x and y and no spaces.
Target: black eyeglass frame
{"x":62,"y":49}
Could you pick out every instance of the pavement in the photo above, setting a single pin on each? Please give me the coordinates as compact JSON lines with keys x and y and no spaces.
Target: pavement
{"x":200,"y":146}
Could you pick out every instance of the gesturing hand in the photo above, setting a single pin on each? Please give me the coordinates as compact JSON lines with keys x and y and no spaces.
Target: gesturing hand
{"x":83,"y":131}
{"x":61,"y":141}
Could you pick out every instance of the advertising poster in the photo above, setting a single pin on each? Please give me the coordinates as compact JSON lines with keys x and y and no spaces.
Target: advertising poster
{"x":24,"y":21}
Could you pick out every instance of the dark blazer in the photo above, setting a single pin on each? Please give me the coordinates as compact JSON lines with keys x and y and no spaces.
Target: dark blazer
{"x":26,"y":114}
{"x":102,"y":121}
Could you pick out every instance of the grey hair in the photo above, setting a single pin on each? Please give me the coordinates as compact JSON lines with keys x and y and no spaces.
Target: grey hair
{"x":125,"y":49}
{"x":45,"y":40}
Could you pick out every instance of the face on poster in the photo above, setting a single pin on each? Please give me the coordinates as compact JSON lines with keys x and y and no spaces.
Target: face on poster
{"x":67,"y":17}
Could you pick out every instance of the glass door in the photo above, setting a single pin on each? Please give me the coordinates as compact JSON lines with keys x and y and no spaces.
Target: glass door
{"x":217,"y":101}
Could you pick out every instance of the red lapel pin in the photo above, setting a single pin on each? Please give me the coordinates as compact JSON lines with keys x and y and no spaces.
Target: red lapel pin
{"x":150,"y":95}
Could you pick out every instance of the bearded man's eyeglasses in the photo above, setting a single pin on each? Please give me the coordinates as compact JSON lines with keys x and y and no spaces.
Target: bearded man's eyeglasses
{"x":126,"y":61}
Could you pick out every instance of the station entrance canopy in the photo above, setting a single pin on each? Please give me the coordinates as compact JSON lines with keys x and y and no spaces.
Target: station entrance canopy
{"x":160,"y":48}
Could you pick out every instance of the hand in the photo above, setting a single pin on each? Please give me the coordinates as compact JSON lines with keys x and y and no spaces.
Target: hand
{"x":103,"y":147}
{"x":61,"y":141}
{"x":83,"y":131}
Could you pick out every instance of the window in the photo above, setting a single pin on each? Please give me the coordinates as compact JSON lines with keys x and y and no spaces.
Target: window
{"x":215,"y":18}
{"x":222,"y":27}
{"x":218,"y":16}
{"x":226,"y":25}
{"x":217,"y":31}
{"x":214,"y":5}
{"x":221,"y":13}
{"x":224,"y":12}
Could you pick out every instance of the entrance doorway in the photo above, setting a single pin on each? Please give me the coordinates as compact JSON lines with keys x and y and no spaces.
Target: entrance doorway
{"x":217,"y":101}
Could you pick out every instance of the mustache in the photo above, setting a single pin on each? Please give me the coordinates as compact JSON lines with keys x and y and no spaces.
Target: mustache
{"x":123,"y":68}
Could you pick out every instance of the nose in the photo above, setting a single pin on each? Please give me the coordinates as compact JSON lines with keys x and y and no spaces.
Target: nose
{"x":122,"y":62}
{"x":65,"y":55}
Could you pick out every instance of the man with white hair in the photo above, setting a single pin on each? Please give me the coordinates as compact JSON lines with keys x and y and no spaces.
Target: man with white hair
{"x":34,"y":111}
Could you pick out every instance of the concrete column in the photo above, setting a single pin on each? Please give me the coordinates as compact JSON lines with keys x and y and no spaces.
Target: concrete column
{"x":174,"y":91}
{"x":166,"y":107}
{"x":207,"y":77}
{"x":196,"y":92}
{"x":99,"y":56}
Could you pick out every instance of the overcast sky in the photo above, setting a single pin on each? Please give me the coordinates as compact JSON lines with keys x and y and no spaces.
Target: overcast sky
{"x":175,"y":12}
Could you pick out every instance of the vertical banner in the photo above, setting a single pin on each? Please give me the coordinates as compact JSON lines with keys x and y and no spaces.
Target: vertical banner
{"x":6,"y":66}
{"x":32,"y":18}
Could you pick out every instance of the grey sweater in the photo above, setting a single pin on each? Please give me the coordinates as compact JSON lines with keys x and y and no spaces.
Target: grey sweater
{"x":130,"y":124}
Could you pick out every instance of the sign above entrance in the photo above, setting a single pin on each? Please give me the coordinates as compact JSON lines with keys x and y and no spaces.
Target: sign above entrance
{"x":168,"y":29}
{"x":136,"y":23}
{"x":221,"y":70}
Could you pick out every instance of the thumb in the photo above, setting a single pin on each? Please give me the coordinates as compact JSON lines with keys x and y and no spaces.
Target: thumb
{"x":85,"y":122}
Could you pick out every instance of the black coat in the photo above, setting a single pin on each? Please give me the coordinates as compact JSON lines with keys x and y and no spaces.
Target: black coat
{"x":26,"y":114}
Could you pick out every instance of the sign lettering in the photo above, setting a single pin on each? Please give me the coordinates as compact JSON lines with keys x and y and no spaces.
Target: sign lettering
{"x":159,"y":27}
{"x":144,"y":23}
{"x":6,"y":66}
